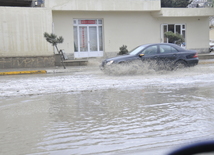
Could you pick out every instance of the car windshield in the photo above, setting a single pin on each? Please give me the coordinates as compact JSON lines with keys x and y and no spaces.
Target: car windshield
{"x":137,"y":50}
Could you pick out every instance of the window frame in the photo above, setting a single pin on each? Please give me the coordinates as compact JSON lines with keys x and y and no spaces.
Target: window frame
{"x":165,"y":28}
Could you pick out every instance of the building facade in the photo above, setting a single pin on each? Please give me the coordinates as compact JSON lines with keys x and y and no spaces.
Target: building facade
{"x":97,"y":28}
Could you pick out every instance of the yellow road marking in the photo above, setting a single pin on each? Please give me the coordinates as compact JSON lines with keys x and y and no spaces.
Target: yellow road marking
{"x":24,"y":72}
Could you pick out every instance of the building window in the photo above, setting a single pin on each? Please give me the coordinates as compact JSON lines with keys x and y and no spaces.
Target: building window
{"x":175,"y":28}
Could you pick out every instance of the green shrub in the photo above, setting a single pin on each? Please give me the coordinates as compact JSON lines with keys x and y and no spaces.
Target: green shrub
{"x":123,"y":50}
{"x":175,"y":38}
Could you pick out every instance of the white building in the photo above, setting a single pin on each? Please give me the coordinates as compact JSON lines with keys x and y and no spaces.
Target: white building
{"x":94,"y":28}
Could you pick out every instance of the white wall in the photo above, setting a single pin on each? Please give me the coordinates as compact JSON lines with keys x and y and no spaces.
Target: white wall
{"x":104,"y":5}
{"x":197,"y":30}
{"x":120,"y":28}
{"x":21,"y":31}
{"x":211,"y":32}
{"x":132,"y":29}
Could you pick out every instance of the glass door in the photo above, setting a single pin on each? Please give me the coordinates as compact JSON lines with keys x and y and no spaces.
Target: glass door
{"x":88,"y":41}
{"x":93,"y":38}
{"x":83,"y":35}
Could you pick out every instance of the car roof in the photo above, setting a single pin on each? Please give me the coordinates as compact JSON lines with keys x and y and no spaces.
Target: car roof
{"x":159,"y":44}
{"x":171,"y":44}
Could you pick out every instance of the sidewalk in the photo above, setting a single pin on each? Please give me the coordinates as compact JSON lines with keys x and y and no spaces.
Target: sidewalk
{"x":48,"y":70}
{"x":206,"y":61}
{"x":69,"y":69}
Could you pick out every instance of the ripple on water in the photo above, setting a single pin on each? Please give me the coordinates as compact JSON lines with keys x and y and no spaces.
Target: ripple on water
{"x":121,"y":115}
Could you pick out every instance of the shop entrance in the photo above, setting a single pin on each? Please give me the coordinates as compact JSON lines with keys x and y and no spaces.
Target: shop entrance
{"x":88,"y":38}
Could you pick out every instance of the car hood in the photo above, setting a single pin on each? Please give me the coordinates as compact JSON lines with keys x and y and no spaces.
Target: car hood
{"x":120,"y":58}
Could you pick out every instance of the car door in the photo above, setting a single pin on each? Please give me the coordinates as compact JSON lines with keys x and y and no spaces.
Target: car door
{"x":167,"y":56}
{"x":150,"y":56}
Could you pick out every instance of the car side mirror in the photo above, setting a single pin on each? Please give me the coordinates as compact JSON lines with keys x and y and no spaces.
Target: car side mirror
{"x":141,"y":55}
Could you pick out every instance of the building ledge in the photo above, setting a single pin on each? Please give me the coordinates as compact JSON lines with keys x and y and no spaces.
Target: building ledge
{"x":184,"y":12}
{"x":103,"y":5}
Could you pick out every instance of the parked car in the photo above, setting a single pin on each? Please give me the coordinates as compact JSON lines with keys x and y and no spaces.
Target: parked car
{"x":158,"y":56}
{"x":211,"y":48}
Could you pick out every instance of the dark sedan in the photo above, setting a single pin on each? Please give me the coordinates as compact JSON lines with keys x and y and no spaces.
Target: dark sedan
{"x":158,"y":56}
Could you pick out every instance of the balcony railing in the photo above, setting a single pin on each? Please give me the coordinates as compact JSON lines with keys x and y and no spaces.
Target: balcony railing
{"x":22,"y":3}
{"x":201,"y":4}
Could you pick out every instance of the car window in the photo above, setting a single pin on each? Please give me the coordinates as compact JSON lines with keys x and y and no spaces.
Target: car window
{"x":151,"y":50}
{"x":137,"y":50}
{"x":167,"y":49}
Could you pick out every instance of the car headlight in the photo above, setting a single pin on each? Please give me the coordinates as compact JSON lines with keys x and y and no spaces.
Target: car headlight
{"x":110,"y":62}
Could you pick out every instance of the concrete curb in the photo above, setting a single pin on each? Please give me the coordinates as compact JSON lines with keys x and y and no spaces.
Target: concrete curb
{"x":206,"y":62}
{"x":24,"y":72}
{"x":69,"y":70}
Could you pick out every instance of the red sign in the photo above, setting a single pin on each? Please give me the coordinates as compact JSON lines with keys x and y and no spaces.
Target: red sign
{"x":88,"y":21}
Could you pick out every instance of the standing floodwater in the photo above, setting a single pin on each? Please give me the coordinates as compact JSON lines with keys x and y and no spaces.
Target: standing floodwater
{"x":92,"y":113}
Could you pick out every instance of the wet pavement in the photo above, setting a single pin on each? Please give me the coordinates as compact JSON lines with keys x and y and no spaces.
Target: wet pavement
{"x":88,"y":112}
{"x":92,"y":66}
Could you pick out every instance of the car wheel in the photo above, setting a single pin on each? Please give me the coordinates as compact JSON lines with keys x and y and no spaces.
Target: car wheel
{"x":111,"y":70}
{"x":179,"y":65}
{"x":129,"y":67}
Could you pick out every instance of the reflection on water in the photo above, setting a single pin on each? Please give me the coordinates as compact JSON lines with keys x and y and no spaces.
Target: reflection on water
{"x":109,"y":121}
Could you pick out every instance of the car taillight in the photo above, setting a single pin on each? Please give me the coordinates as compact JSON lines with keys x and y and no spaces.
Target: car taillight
{"x":195,"y":56}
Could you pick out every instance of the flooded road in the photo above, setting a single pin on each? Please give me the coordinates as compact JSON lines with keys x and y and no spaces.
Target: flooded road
{"x":91,"y":113}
